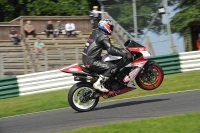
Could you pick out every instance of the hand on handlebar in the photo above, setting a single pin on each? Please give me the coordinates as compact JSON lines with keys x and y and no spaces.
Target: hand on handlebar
{"x":129,"y":56}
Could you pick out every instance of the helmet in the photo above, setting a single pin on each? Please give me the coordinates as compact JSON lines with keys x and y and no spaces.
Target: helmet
{"x":106,"y":26}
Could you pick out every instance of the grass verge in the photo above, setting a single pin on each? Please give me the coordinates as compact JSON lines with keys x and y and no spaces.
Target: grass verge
{"x":183,"y":123}
{"x":58,"y":99}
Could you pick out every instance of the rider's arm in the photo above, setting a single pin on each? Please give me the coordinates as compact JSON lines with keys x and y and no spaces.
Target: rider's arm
{"x":111,"y":49}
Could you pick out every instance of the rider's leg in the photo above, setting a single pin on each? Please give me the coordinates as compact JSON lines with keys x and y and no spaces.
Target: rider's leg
{"x":109,"y":70}
{"x":104,"y":77}
{"x":99,"y":83}
{"x":105,"y":67}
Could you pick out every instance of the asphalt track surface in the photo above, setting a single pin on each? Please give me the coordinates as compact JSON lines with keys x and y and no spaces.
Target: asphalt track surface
{"x":133,"y":108}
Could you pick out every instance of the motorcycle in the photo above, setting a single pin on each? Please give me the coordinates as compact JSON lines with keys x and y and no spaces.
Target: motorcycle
{"x":147,"y":74}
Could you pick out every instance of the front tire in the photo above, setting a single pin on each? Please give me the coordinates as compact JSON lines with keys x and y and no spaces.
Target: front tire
{"x":150,"y":77}
{"x":76,"y":97}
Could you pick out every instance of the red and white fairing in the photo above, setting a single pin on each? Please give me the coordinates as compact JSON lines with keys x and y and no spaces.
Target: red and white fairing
{"x":74,"y":68}
{"x":136,"y":64}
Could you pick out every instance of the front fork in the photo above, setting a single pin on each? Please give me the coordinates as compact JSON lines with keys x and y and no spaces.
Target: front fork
{"x":147,"y":71}
{"x":133,"y":74}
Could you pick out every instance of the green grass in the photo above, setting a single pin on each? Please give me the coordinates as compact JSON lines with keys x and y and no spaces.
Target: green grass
{"x":183,"y":123}
{"x":33,"y":103}
{"x":58,"y":99}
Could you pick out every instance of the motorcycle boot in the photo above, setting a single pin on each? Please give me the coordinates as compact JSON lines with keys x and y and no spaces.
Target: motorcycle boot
{"x":99,"y":84}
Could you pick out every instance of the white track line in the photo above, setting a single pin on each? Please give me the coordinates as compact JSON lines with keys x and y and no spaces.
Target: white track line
{"x":102,"y":102}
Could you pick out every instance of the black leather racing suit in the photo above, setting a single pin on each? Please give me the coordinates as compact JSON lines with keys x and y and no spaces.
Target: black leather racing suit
{"x":91,"y":58}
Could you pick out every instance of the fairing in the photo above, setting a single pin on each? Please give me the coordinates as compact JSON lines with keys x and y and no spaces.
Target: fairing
{"x":113,"y":93}
{"x":74,"y":68}
{"x":131,"y":44}
{"x":108,"y":57}
{"x":142,"y":50}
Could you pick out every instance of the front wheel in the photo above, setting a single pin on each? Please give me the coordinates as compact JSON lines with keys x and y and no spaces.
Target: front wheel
{"x":150,"y":77}
{"x":79,"y":97}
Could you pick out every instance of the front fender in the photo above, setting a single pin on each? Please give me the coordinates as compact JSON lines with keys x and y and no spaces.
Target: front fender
{"x":149,"y":62}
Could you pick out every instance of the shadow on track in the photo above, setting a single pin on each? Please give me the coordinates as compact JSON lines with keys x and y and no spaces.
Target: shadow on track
{"x":129,"y":103}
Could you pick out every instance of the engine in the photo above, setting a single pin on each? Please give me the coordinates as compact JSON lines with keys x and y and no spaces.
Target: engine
{"x":115,"y":85}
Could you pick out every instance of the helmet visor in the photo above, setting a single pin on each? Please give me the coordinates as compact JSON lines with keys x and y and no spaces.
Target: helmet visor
{"x":111,"y":27}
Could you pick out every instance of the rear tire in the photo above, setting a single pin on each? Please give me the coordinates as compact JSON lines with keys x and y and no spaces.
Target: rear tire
{"x":150,"y":77}
{"x":74,"y":97}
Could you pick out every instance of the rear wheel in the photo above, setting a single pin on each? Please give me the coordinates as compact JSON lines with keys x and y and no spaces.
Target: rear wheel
{"x":79,"y":97}
{"x":150,"y":77}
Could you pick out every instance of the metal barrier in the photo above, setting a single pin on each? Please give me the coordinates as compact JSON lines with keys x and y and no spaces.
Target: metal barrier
{"x":8,"y":87}
{"x":35,"y":83}
{"x":182,"y":62}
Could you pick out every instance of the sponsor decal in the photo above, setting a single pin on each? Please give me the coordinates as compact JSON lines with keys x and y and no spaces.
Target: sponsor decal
{"x":110,"y":95}
{"x":126,"y":79}
{"x":122,"y":91}
{"x":131,"y":75}
{"x":118,"y":92}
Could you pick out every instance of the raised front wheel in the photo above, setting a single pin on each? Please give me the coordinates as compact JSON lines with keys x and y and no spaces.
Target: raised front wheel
{"x":150,"y":77}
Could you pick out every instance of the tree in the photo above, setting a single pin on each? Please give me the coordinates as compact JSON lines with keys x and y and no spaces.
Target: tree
{"x":122,"y":12}
{"x":11,"y":9}
{"x":189,"y":12}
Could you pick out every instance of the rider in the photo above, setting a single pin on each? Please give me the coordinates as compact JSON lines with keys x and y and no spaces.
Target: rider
{"x":98,"y":41}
